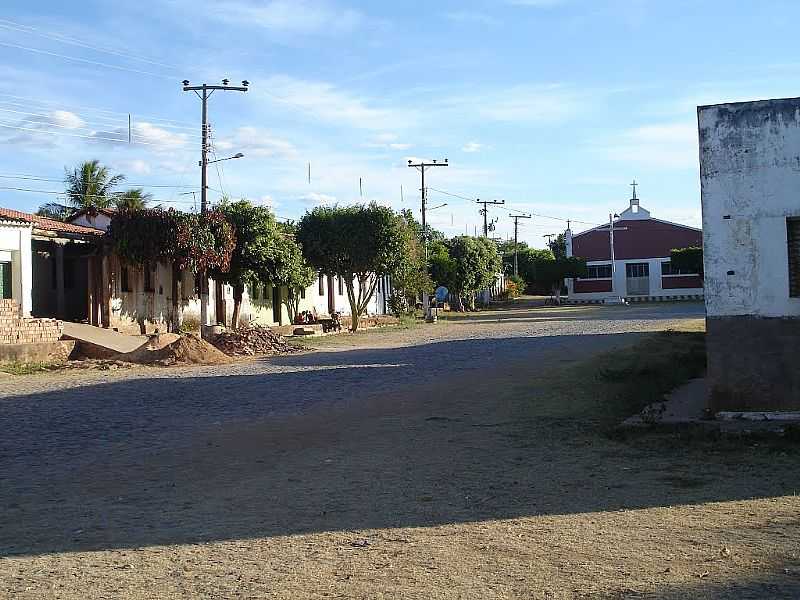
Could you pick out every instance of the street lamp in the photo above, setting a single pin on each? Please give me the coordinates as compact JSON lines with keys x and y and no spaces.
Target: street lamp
{"x":211,"y":162}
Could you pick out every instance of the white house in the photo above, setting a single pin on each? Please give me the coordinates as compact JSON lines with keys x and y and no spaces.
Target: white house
{"x":750,"y":177}
{"x":144,"y":298}
{"x":631,"y":259}
{"x":16,"y":272}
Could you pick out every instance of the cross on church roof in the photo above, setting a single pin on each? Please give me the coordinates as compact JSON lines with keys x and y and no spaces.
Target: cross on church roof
{"x":633,"y":185}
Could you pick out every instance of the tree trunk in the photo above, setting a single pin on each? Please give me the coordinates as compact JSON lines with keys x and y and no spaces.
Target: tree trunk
{"x":175,"y":324}
{"x":238,"y":292}
{"x":457,"y":304}
{"x":351,"y":297}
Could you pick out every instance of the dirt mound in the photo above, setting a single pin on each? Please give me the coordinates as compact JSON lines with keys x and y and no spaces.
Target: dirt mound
{"x":252,"y":340}
{"x":185,"y":350}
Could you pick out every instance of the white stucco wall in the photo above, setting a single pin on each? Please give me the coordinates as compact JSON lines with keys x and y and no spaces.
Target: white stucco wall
{"x":750,"y":183}
{"x":98,"y":221}
{"x":15,"y":247}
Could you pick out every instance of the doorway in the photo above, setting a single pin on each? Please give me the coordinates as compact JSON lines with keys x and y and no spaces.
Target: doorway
{"x":637,"y":276}
{"x":276,"y":304}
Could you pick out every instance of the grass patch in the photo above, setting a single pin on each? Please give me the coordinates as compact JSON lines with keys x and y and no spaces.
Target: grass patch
{"x":613,"y":386}
{"x":27,"y":368}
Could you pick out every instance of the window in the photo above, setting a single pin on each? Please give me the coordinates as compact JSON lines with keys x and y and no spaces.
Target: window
{"x":303,"y":293}
{"x":321,"y":285}
{"x":668,"y":269}
{"x":341,"y":286}
{"x":254,"y":291}
{"x":598,"y":272}
{"x":149,"y":270}
{"x":637,"y":270}
{"x":793,"y":239}
{"x":5,"y":280}
{"x":124,"y":279}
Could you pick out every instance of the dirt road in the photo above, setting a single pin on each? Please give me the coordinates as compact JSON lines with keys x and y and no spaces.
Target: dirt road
{"x":465,"y":460}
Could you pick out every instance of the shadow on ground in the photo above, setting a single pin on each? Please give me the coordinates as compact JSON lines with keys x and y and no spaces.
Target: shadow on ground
{"x":443,"y":433}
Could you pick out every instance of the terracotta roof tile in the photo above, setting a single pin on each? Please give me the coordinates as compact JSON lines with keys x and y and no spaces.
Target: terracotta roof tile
{"x":48,"y":224}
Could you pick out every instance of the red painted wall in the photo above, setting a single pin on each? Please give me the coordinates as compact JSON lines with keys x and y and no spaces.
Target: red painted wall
{"x":635,"y":239}
{"x":585,"y":286}
{"x":680,"y":282}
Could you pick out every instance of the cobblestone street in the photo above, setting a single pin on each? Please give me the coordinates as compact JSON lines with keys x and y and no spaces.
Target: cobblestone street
{"x":337,"y":472}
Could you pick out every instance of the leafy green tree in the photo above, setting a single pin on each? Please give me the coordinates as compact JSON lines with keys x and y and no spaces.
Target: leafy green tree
{"x":552,"y":273}
{"x":358,"y":243}
{"x":258,"y":243}
{"x":91,"y":184}
{"x":289,"y":268}
{"x":132,"y":199}
{"x":410,"y":278}
{"x":558,"y":246}
{"x":477,"y":262}
{"x":689,"y":260}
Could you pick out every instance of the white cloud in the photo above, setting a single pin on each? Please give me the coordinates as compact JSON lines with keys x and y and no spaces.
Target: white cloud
{"x":136,"y":166}
{"x":472,"y":147}
{"x":387,"y":141}
{"x":296,"y":17}
{"x":266,"y":200}
{"x":664,"y":145}
{"x":536,"y":3}
{"x":316,"y":199}
{"x":252,"y":141}
{"x":473,"y":17}
{"x":142,"y":134}
{"x":67,"y":119}
{"x":523,"y":103}
{"x":326,"y":102}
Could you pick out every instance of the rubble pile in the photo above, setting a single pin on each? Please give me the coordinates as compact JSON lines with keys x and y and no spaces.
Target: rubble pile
{"x":252,"y":340}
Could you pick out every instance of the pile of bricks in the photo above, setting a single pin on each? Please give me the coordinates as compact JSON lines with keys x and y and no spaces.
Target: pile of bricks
{"x":16,"y":329}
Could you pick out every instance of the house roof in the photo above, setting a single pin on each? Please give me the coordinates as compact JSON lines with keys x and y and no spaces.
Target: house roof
{"x":92,"y":211}
{"x":45,"y":224}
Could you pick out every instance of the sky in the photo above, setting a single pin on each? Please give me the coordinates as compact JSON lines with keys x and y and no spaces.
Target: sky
{"x":553,"y":106}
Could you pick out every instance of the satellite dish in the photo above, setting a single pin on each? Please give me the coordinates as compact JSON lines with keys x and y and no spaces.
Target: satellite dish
{"x":442,"y":293}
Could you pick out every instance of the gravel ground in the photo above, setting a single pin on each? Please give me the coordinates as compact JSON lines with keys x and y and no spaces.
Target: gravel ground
{"x":433,"y":462}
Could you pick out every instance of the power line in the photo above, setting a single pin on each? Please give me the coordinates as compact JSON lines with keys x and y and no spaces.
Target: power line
{"x":85,"y":60}
{"x":65,"y":195}
{"x":123,"y":114}
{"x":64,"y":39}
{"x":119,"y":140}
{"x":54,"y":179}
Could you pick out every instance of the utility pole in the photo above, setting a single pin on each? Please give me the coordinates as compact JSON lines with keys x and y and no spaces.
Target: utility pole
{"x":421,"y":166}
{"x":204,"y":93}
{"x":516,"y":241}
{"x":485,"y":212}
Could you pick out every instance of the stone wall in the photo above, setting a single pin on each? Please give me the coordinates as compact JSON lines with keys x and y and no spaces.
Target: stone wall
{"x":16,"y":329}
{"x":752,"y":363}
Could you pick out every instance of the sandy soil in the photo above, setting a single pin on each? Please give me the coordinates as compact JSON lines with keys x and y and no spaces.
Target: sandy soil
{"x":492,"y":478}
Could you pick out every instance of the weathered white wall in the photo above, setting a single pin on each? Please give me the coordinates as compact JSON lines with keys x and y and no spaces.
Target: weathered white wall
{"x":750,"y":172}
{"x":98,"y":221}
{"x":15,"y":245}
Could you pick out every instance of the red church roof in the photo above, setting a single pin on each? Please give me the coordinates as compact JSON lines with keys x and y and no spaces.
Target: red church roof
{"x":635,"y":239}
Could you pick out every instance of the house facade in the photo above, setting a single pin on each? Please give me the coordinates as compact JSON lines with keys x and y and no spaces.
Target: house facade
{"x":630,"y":259}
{"x":54,"y":267}
{"x":749,"y":157}
{"x":149,"y":297}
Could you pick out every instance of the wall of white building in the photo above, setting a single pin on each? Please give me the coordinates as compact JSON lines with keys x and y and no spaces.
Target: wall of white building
{"x":750,"y":181}
{"x":15,"y":247}
{"x":620,"y":282}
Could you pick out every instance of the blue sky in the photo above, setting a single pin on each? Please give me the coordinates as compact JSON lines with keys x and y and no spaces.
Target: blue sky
{"x":552,"y":105}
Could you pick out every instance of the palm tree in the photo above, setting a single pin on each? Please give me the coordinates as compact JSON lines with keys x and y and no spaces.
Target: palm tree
{"x":91,"y":184}
{"x":56,"y":211}
{"x":132,"y":199}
